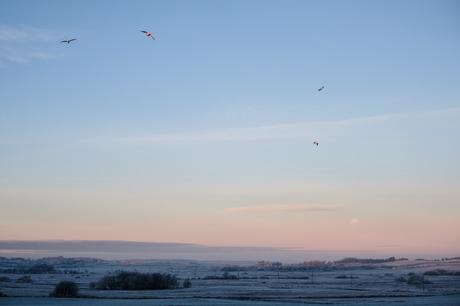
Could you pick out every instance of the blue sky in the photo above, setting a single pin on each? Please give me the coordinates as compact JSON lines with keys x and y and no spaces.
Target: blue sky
{"x":224,"y":101}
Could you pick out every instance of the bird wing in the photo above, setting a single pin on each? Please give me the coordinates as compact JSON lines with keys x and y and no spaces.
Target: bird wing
{"x":72,"y":39}
{"x":144,"y":32}
{"x":62,"y":41}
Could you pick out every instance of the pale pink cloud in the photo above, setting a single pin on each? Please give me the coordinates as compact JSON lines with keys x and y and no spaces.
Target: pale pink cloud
{"x":282,"y":208}
{"x":354,"y":221}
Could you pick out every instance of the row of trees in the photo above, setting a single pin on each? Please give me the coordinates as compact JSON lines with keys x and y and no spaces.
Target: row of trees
{"x":124,"y":281}
{"x":136,"y":281}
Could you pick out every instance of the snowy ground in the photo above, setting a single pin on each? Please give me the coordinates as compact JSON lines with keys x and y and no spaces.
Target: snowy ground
{"x":453,"y":300}
{"x":377,"y":286}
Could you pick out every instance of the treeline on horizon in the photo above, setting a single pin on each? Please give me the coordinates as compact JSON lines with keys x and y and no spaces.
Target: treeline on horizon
{"x":40,"y":268}
{"x":63,"y":265}
{"x":345,"y":263}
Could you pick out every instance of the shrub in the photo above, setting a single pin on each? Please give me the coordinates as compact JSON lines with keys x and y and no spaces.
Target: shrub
{"x":401,"y":279}
{"x":417,"y":280}
{"x":226,"y":276}
{"x":438,"y":272}
{"x":24,"y":279}
{"x":414,"y":280}
{"x":137,"y":281}
{"x":65,"y":289}
{"x":5,"y":279}
{"x":187,"y":283}
{"x":344,"y":276}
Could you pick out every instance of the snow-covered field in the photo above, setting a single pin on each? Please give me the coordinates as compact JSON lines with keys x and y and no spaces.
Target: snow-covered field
{"x":453,"y":300}
{"x":352,"y":285}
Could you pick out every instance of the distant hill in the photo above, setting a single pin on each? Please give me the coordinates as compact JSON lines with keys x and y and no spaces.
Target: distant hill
{"x":171,"y":251}
{"x":144,"y":250}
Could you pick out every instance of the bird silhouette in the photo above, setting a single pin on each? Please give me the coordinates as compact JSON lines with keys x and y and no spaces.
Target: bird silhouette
{"x":316,"y":143}
{"x":148,"y":34}
{"x":68,"y":41}
{"x":321,"y":88}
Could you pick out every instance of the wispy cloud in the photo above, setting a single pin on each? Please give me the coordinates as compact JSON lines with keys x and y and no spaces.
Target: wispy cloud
{"x":25,"y":44}
{"x":282,"y":208}
{"x":24,"y":34}
{"x":283,"y":131}
{"x":24,"y":56}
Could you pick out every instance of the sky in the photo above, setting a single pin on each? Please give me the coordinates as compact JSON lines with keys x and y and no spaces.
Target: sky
{"x":204,"y":135}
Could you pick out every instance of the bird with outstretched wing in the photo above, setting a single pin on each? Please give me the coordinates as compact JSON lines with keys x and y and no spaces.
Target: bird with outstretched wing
{"x":148,"y":34}
{"x":68,"y":41}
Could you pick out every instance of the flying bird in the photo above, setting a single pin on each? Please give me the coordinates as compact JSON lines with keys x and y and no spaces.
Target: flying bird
{"x":148,"y":34}
{"x":321,"y":88}
{"x":68,"y":41}
{"x":316,"y":143}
